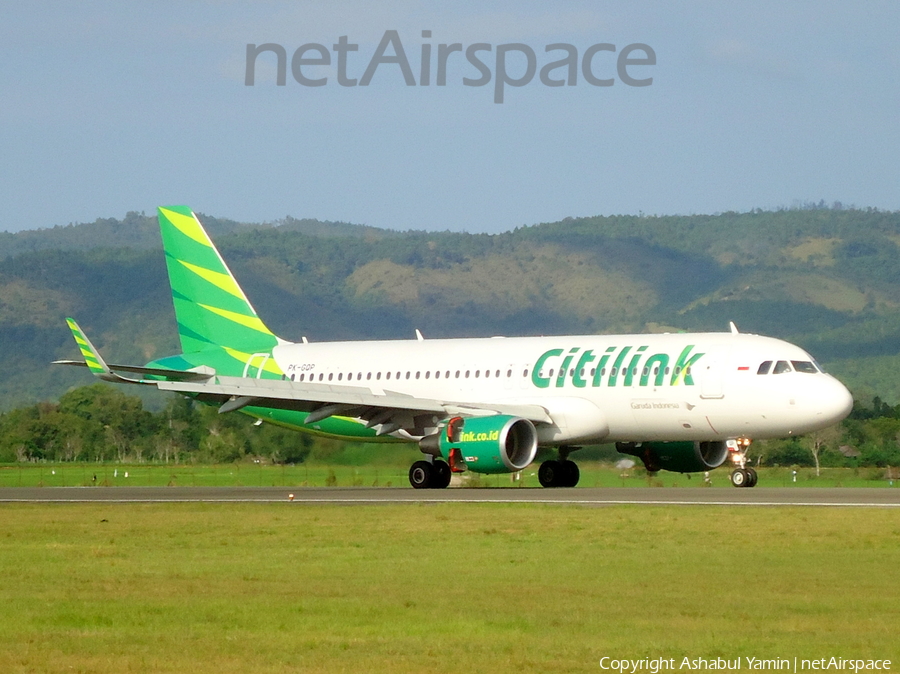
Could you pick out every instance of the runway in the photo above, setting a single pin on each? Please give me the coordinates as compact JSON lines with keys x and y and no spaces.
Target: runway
{"x":724,"y":496}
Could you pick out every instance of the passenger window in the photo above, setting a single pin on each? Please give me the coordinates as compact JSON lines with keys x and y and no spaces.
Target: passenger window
{"x":803,"y":366}
{"x":387,"y":375}
{"x":764,"y":367}
{"x":781,"y":367}
{"x":497,"y":373}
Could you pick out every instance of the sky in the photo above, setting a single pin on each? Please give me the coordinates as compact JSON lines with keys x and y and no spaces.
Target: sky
{"x":110,"y":107}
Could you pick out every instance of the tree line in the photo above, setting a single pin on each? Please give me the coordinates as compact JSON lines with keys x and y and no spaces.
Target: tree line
{"x":101,"y":423}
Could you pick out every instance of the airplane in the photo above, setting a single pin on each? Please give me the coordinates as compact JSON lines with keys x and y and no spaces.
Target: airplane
{"x":680,"y":402}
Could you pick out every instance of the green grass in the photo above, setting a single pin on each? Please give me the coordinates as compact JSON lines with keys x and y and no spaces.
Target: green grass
{"x":593,"y":474}
{"x":189,"y":475}
{"x":437,"y":588}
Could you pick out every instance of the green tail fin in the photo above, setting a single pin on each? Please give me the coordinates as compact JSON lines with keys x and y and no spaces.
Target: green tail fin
{"x":210,"y":307}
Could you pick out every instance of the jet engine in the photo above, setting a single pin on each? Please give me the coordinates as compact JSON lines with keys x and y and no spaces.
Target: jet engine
{"x":679,"y":457}
{"x":494,"y":444}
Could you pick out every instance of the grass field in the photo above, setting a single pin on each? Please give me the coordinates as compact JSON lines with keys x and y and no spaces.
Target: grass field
{"x":438,"y":588}
{"x":593,"y":474}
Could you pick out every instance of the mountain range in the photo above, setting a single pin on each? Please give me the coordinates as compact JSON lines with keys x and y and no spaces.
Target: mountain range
{"x":824,"y":277}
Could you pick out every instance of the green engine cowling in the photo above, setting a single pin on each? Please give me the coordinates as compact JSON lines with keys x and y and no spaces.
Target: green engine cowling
{"x":678,"y":457}
{"x":494,"y":444}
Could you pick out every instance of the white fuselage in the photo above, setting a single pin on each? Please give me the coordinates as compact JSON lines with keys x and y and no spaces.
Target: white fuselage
{"x":603,"y":388}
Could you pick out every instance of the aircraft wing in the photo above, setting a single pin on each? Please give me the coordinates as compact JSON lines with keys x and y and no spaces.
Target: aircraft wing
{"x":92,"y":358}
{"x":198,"y":374}
{"x":99,"y":367}
{"x":388,"y":409}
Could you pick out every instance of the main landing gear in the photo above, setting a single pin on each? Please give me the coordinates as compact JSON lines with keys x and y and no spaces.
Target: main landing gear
{"x":561,"y":473}
{"x":743,"y":475}
{"x":554,"y":473}
{"x":430,"y":475}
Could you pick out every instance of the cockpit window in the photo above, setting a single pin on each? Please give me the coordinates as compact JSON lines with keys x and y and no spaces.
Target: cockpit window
{"x":781,"y":367}
{"x":804,"y":366}
{"x":764,"y":367}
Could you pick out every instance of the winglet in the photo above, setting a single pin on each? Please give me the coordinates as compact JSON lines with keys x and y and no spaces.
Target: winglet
{"x":99,"y":367}
{"x":92,"y":357}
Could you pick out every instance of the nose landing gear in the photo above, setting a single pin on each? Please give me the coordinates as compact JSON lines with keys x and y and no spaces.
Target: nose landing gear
{"x":743,"y":475}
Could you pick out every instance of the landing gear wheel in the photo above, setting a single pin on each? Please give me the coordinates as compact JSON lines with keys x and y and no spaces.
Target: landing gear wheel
{"x":549,"y":473}
{"x":570,"y":473}
{"x":421,"y":475}
{"x":754,"y":478}
{"x":442,"y":474}
{"x":740,"y":478}
{"x":558,"y":474}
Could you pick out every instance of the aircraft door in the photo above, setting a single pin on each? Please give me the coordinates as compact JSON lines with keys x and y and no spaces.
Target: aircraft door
{"x":712,"y":376}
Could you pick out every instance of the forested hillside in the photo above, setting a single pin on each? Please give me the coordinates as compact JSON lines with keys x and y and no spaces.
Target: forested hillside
{"x":825,"y":278}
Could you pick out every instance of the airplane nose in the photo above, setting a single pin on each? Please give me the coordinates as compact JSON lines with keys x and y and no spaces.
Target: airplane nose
{"x":834,"y":401}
